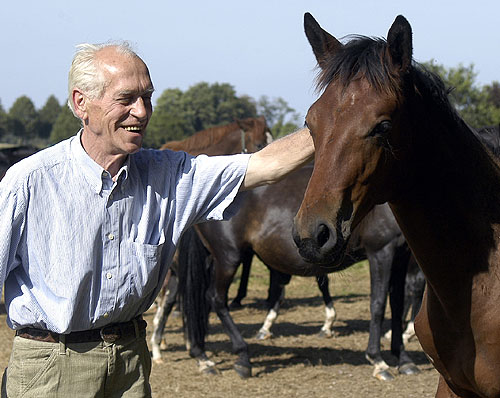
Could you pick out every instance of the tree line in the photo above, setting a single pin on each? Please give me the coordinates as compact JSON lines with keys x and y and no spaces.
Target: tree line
{"x":179,"y":114}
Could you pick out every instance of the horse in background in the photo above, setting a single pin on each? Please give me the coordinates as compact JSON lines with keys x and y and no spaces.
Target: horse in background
{"x":407,"y":145}
{"x":241,"y":136}
{"x":262,"y":227}
{"x":11,"y":154}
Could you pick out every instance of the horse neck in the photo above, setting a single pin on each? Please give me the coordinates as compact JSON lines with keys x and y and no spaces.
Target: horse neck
{"x":449,"y":210}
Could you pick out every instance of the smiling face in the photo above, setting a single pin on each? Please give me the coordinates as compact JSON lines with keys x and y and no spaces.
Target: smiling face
{"x":114,"y":124}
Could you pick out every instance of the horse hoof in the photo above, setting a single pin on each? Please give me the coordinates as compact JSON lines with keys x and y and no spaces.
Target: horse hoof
{"x":409,"y":369}
{"x":243,"y":371}
{"x":325,"y":334}
{"x":384,"y":375}
{"x":158,"y":361}
{"x":235,"y":305}
{"x":210,"y":371}
{"x":263,"y":336}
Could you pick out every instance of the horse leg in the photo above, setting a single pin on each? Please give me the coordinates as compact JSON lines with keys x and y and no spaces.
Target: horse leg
{"x":330,"y":314}
{"x":277,"y":282}
{"x":223,"y":278}
{"x":167,"y":302}
{"x":397,"y":296}
{"x":414,"y":291}
{"x":380,"y":272}
{"x":242,"y":289}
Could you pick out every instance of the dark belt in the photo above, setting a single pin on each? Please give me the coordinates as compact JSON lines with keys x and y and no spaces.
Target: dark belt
{"x":109,"y":334}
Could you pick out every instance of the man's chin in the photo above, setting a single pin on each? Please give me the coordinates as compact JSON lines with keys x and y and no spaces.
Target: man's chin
{"x":134,"y":145}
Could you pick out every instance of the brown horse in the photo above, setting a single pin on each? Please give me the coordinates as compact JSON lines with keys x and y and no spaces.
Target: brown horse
{"x":384,"y":130}
{"x":243,"y":135}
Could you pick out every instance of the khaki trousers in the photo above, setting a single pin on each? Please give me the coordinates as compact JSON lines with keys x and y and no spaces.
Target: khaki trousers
{"x":97,"y":369}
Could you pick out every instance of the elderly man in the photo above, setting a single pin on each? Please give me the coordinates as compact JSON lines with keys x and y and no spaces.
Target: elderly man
{"x":89,"y":226}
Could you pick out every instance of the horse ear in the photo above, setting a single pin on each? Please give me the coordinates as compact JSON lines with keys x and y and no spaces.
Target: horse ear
{"x":322,"y":42}
{"x":399,"y":40}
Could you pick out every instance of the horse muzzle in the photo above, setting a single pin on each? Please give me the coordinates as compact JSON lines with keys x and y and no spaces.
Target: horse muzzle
{"x":321,"y":243}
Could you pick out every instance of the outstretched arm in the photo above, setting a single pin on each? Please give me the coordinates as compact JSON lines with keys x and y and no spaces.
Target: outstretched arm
{"x":281,"y":157}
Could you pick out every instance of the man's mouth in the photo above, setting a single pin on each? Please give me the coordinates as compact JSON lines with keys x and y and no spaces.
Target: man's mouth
{"x":133,"y":128}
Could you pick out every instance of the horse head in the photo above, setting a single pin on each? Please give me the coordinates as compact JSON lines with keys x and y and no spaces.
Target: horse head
{"x":255,"y":134}
{"x":355,"y":125}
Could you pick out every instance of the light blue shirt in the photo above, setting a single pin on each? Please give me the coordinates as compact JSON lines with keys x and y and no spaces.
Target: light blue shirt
{"x":80,"y":251}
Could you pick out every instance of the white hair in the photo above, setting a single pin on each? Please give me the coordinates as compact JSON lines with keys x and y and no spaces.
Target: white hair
{"x":85,"y":73}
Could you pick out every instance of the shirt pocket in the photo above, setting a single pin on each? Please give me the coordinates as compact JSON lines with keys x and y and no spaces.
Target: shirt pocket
{"x":146,"y":264}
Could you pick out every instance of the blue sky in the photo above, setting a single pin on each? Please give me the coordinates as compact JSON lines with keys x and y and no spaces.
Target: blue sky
{"x":257,"y":46}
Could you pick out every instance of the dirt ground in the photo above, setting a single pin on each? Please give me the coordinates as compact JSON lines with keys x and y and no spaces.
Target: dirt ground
{"x":295,"y":362}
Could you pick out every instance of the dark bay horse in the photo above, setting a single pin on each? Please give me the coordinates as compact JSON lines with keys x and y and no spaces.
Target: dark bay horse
{"x":263,"y":227}
{"x":385,"y":131}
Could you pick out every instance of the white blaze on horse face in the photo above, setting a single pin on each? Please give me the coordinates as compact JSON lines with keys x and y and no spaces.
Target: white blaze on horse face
{"x":353,"y":99}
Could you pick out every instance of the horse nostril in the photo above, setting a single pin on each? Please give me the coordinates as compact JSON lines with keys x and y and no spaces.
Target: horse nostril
{"x":323,"y":235}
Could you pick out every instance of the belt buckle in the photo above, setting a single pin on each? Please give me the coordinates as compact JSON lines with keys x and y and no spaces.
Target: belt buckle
{"x":110,"y":336}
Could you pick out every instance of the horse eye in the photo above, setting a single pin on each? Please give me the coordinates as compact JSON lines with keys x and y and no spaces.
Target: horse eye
{"x":381,"y":129}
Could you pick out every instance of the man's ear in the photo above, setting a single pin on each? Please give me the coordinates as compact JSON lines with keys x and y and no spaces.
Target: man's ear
{"x":79,"y":103}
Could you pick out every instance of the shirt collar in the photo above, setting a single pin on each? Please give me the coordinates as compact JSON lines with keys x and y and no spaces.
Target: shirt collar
{"x":93,"y":172}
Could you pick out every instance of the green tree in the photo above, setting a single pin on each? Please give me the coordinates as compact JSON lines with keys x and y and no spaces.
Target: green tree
{"x":212,"y":105}
{"x":493,"y":91}
{"x":24,"y":121}
{"x":48,"y":116}
{"x":493,"y":95}
{"x":282,"y":118}
{"x":65,"y":126}
{"x":169,"y":121}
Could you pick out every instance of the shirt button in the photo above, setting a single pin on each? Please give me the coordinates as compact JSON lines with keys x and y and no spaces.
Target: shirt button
{"x":108,"y":275}
{"x":106,"y":315}
{"x":111,"y":237}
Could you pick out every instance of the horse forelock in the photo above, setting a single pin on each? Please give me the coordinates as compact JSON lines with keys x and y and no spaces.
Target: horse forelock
{"x":361,"y":57}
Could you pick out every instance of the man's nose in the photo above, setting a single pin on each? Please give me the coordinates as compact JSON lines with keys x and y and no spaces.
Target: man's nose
{"x":139,"y":108}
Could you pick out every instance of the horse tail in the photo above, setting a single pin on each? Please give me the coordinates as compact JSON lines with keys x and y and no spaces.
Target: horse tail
{"x":194,"y":272}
